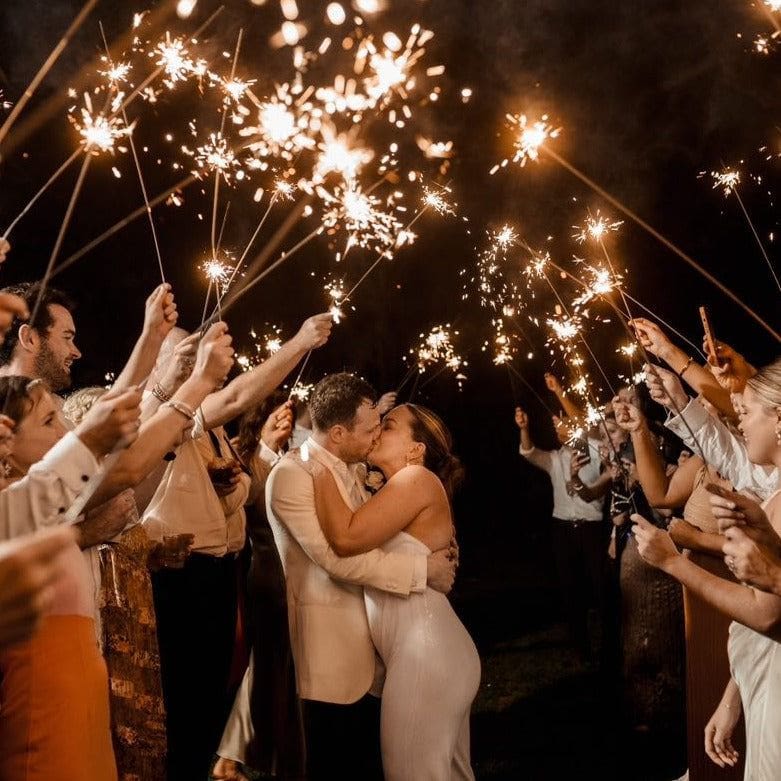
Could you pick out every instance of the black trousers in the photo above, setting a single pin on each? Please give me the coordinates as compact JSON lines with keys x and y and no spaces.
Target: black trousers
{"x":196,"y":626}
{"x":580,"y":553}
{"x":343,"y":741}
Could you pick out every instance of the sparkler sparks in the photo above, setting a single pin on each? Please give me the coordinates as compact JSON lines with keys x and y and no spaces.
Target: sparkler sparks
{"x":728,"y":180}
{"x":437,"y":347}
{"x":595,"y":228}
{"x":337,"y":155}
{"x":530,"y":138}
{"x":174,"y":59}
{"x":602,"y":282}
{"x":99,"y":133}
{"x":217,"y":272}
{"x":434,"y":199}
{"x":367,"y":223}
{"x":565,"y":329}
{"x":216,"y":157}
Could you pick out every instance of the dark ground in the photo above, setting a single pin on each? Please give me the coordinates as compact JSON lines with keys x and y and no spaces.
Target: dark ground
{"x":540,"y":713}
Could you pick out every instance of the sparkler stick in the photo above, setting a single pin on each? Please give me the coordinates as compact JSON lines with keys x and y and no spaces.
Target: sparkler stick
{"x":289,"y":253}
{"x":124,"y":222}
{"x":137,"y":163}
{"x":40,"y":192}
{"x":61,"y":235}
{"x":660,"y":238}
{"x":729,"y":181}
{"x":581,"y":338}
{"x":46,"y":67}
{"x":516,"y":373}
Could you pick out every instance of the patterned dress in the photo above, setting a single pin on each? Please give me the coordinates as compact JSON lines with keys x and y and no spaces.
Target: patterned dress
{"x":129,"y":638}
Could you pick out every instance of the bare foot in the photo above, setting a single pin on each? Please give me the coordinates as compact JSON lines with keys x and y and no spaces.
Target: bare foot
{"x":228,"y":770}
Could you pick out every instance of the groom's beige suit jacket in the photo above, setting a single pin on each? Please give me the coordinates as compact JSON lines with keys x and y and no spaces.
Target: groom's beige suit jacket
{"x":334,"y":657}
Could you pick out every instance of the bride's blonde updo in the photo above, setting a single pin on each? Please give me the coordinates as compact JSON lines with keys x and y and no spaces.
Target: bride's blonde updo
{"x":428,"y":428}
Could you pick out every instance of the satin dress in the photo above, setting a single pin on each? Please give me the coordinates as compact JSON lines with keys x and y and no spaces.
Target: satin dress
{"x":432,"y":677}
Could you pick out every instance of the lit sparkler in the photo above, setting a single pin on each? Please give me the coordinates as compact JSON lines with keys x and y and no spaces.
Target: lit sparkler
{"x":99,"y":132}
{"x":595,"y":228}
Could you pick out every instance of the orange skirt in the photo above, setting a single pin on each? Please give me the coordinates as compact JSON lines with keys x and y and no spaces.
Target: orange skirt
{"x":54,"y":706}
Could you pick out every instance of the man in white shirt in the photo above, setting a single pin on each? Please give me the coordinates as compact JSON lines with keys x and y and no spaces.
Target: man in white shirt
{"x":579,"y":538}
{"x":338,"y":673}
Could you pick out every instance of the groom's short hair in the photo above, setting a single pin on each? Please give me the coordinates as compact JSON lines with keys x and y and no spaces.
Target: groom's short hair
{"x":336,"y":398}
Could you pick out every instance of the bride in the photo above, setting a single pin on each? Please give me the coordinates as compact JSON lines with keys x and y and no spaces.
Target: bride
{"x":432,"y":666}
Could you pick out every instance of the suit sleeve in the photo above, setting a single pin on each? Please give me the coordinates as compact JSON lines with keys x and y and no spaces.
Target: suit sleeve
{"x":290,"y":499}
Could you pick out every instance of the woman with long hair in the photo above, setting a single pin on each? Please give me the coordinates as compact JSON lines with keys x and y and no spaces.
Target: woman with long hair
{"x":432,"y":665}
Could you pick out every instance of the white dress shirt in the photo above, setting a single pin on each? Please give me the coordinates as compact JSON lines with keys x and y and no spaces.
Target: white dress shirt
{"x":557,"y":464}
{"x":723,"y":450}
{"x":44,"y":494}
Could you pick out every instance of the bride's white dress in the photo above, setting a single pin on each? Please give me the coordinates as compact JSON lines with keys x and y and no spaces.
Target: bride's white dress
{"x":432,"y":676}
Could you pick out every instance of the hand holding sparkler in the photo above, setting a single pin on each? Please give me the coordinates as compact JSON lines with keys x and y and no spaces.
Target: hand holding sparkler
{"x":160,"y":313}
{"x":113,"y":420}
{"x":521,"y":419}
{"x":628,"y":416}
{"x":215,"y":355}
{"x":729,"y":367}
{"x":314,"y":332}
{"x":553,"y":384}
{"x":652,"y":338}
{"x":5,"y":248}
{"x":278,"y":427}
{"x":665,"y":388}
{"x":180,"y":365}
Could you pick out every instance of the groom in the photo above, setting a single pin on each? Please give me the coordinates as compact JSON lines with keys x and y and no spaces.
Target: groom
{"x":338,"y":673}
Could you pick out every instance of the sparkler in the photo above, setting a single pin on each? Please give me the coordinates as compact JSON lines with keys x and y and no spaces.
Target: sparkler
{"x":729,"y":180}
{"x":530,"y":139}
{"x":116,"y":73}
{"x":626,"y":211}
{"x":46,"y":67}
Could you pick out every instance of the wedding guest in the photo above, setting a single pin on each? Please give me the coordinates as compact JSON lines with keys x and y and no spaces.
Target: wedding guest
{"x":706,"y":629}
{"x":202,"y":493}
{"x":264,"y":730}
{"x":651,"y":623}
{"x":58,"y":727}
{"x":577,"y":528}
{"x":44,"y":348}
{"x":707,"y":435}
{"x":756,"y":615}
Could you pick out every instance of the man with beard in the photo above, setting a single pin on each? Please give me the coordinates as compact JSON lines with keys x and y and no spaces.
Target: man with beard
{"x":44,"y":348}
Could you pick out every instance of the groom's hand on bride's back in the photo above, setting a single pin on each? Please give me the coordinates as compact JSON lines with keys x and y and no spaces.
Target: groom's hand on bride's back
{"x":441,"y":571}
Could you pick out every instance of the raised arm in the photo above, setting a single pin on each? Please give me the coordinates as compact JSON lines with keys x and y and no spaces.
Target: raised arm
{"x":540,"y":458}
{"x":723,"y":450}
{"x":662,"y":490}
{"x":754,"y":609}
{"x":700,"y":378}
{"x":251,"y":388}
{"x":164,"y":430}
{"x":159,"y":318}
{"x":388,"y":512}
{"x":290,"y":500}
{"x":571,"y":409}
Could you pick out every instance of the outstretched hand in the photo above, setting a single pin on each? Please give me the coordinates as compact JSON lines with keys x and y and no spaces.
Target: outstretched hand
{"x":729,"y":367}
{"x":654,"y":545}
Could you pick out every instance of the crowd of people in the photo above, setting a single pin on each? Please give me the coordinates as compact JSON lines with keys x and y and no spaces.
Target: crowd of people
{"x":200,"y":578}
{"x":666,"y":528}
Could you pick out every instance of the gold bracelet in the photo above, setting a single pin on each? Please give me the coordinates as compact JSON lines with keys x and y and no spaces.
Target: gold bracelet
{"x":686,"y":366}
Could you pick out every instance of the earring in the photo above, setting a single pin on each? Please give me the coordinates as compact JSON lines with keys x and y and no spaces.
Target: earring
{"x":778,"y":426}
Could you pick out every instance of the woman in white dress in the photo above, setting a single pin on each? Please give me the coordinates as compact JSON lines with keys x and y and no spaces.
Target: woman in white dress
{"x":432,"y":665}
{"x":754,"y":647}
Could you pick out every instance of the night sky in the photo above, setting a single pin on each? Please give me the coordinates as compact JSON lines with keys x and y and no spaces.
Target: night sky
{"x":648,"y":94}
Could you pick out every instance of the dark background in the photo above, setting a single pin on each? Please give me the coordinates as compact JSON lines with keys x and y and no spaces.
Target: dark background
{"x":649,"y":95}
